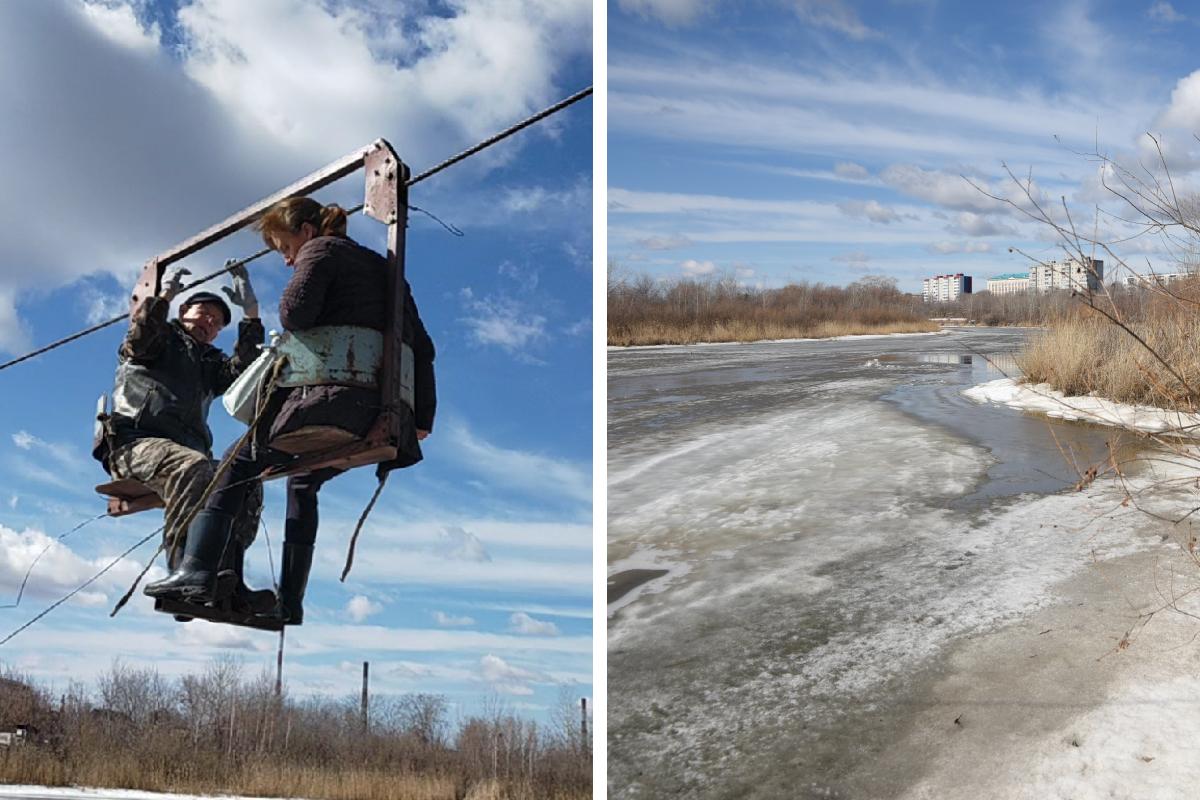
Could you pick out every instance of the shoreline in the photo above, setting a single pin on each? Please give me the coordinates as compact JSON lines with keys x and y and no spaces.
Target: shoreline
{"x":775,"y":341}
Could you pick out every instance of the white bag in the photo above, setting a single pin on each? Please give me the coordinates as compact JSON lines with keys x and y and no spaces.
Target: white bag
{"x":241,"y":398}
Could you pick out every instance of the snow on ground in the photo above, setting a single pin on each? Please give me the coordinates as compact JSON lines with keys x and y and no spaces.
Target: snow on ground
{"x":1043,"y":398}
{"x":80,"y":793}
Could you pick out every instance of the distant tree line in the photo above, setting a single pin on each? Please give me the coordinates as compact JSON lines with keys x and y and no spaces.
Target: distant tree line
{"x":219,"y":732}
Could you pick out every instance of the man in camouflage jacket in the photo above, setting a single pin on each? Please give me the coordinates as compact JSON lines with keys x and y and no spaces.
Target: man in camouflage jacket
{"x":168,"y":374}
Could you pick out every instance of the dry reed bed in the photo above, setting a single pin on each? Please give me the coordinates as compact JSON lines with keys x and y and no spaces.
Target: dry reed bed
{"x":27,"y":765}
{"x":644,"y":312}
{"x":1085,"y":353}
{"x":648,"y":333}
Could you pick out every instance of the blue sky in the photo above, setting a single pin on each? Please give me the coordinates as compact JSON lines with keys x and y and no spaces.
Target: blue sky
{"x":824,"y":140}
{"x":132,"y":125}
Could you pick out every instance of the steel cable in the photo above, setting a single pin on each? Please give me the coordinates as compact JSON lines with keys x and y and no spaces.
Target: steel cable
{"x":504,"y":134}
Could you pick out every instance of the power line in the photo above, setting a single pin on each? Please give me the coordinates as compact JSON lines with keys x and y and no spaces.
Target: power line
{"x":504,"y":134}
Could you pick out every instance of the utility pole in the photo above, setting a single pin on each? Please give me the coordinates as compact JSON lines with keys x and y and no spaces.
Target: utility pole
{"x":279,"y":668}
{"x":583,"y":741}
{"x":366,"y":666}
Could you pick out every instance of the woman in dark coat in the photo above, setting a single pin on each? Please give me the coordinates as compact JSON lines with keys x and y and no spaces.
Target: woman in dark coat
{"x":336,"y":282}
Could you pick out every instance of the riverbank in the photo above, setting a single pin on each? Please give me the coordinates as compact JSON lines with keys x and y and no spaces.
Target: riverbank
{"x":746,"y":331}
{"x":778,"y":341}
{"x":1045,"y":399}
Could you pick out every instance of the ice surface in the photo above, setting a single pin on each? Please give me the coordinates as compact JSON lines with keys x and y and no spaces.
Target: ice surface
{"x":821,"y":572}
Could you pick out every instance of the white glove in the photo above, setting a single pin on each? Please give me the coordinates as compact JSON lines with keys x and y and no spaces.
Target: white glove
{"x":172,"y":283}
{"x":242,"y":293}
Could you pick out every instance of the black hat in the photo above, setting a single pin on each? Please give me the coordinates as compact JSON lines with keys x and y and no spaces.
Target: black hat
{"x":208,"y":297}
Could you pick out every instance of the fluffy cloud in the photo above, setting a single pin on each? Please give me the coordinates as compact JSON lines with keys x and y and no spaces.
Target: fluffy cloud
{"x":697,"y":268}
{"x":972,"y":224}
{"x":522,"y":623}
{"x":239,"y":126}
{"x":503,"y":322}
{"x":451,"y":621}
{"x":360,"y":607}
{"x":506,"y":678}
{"x":851,"y":171}
{"x":462,"y":545}
{"x":869,"y":209}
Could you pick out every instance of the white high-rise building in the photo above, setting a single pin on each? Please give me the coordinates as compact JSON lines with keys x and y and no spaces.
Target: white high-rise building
{"x":944,"y":288}
{"x":1069,"y":274}
{"x":1012,"y":283}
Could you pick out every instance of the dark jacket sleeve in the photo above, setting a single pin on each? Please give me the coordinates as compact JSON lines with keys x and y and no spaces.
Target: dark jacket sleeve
{"x":304,"y":296}
{"x":425,"y":385}
{"x":148,"y":331}
{"x":226,"y":370}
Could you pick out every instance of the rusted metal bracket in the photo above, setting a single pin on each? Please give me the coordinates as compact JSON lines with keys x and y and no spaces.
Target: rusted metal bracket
{"x":150,"y":281}
{"x":387,"y":201}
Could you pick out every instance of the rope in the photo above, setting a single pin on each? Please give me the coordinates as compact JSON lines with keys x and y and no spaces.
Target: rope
{"x":504,"y":134}
{"x":358,"y":527}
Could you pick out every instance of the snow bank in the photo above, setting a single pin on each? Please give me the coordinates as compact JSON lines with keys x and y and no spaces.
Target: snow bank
{"x":1046,"y":400}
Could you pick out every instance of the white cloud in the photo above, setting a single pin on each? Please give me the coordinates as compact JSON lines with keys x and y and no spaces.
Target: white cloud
{"x":506,"y":678}
{"x":854,"y":258}
{"x":504,"y":322}
{"x":210,"y":635}
{"x":835,"y":15}
{"x":851,"y":171}
{"x":118,"y":24}
{"x":432,"y":83}
{"x":452,"y":621}
{"x":870,"y":209}
{"x":532,"y":473}
{"x":664,"y":242}
{"x":698,"y":268}
{"x":522,"y":623}
{"x":462,"y":545}
{"x":674,"y":13}
{"x":1162,"y":11}
{"x":56,"y":569}
{"x":972,"y":224}
{"x":65,"y":455}
{"x":947,"y":248}
{"x":360,"y":607}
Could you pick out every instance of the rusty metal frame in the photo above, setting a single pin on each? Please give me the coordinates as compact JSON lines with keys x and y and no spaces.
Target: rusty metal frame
{"x":386,"y":200}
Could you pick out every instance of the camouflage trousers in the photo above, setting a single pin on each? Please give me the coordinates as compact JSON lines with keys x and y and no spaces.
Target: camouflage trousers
{"x":180,"y":475}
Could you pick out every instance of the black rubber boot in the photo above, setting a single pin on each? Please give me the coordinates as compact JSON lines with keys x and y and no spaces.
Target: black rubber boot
{"x":195,"y":579}
{"x":293,"y":580}
{"x":245,"y":599}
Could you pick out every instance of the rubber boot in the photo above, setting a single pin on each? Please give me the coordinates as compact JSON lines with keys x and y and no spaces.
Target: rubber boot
{"x":245,"y":599}
{"x":195,"y":579}
{"x":293,"y":580}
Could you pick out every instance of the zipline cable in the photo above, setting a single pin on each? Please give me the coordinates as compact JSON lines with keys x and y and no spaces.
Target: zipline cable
{"x":504,"y":134}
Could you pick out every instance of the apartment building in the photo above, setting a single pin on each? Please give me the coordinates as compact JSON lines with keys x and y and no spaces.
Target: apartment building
{"x":944,"y":288}
{"x":1070,"y":274}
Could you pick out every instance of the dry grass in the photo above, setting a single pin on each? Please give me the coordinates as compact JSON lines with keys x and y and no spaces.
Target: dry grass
{"x":152,"y":734}
{"x":742,"y":330}
{"x":28,"y":765}
{"x":643,"y":311}
{"x":1085,"y":353}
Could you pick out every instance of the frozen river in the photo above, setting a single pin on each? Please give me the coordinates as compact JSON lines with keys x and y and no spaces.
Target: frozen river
{"x":798,"y":532}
